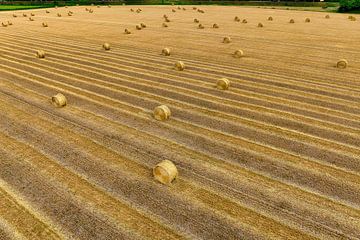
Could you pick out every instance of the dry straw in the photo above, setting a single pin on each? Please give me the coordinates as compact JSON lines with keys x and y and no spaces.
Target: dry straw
{"x":44,"y":24}
{"x":127,"y":31}
{"x":237,"y":19}
{"x":196,"y":20}
{"x":215,"y":25}
{"x":327,"y":16}
{"x":167,"y":20}
{"x":292,"y":21}
{"x":59,"y":100}
{"x":24,"y":15}
{"x":131,"y":10}
{"x":14,"y":15}
{"x":10,"y":23}
{"x":40,"y":54}
{"x":260,"y":25}
{"x":226,"y":40}
{"x":138,"y":27}
{"x":342,"y":63}
{"x":201,"y":26}
{"x":59,"y":14}
{"x":166,"y":52}
{"x":244,"y":21}
{"x":165,"y":172}
{"x":4,"y":24}
{"x":164,"y":25}
{"x":32,"y":14}
{"x":223,"y":84}
{"x":47,"y":11}
{"x":307,"y":20}
{"x":173,"y":10}
{"x":106,"y":46}
{"x":143,"y":25}
{"x":270,"y":18}
{"x":238,"y":53}
{"x":179,"y":65}
{"x":31,"y":19}
{"x":162,"y":113}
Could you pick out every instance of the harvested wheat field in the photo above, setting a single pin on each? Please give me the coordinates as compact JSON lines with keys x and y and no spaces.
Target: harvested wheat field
{"x":252,"y":128}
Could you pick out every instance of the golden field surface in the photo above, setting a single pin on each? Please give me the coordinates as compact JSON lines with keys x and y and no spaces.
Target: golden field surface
{"x":276,"y":156}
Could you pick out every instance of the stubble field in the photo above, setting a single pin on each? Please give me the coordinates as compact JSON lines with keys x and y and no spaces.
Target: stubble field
{"x":277,"y":155}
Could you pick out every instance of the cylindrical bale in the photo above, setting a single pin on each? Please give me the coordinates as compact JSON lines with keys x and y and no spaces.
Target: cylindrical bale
{"x":260,"y":25}
{"x":138,"y":27}
{"x":59,"y":100}
{"x":44,"y":24}
{"x":179,"y":65}
{"x":307,"y":20}
{"x":215,"y":25}
{"x":292,"y":21}
{"x":106,"y":46}
{"x":164,"y":25}
{"x":237,"y":19}
{"x":226,"y":40}
{"x":238,"y":53}
{"x":327,"y":16}
{"x":196,"y":20}
{"x":162,"y":113}
{"x":244,"y":21}
{"x":342,"y":63}
{"x":270,"y":18}
{"x":166,"y":51}
{"x":223,"y":84}
{"x":165,"y":172}
{"x":127,"y":31}
{"x":201,"y":26}
{"x":40,"y":54}
{"x":143,"y":25}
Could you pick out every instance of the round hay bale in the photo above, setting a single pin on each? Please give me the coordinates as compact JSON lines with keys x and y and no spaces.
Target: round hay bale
{"x":244,"y":21}
{"x":109,"y":6}
{"x":86,"y":9}
{"x":260,"y":25}
{"x":238,"y":53}
{"x":47,"y":11}
{"x":201,"y":26}
{"x":165,"y":16}
{"x":194,"y":8}
{"x":91,"y":11}
{"x":138,"y":27}
{"x":353,"y":18}
{"x":165,"y":172}
{"x":162,"y":113}
{"x":350,"y":17}
{"x":196,"y":20}
{"x":106,"y":46}
{"x":31,"y":19}
{"x":166,"y":52}
{"x":32,"y":14}
{"x":215,"y":25}
{"x":223,"y":84}
{"x":44,"y":24}
{"x":327,"y":16}
{"x":66,"y":6}
{"x":237,"y":19}
{"x":143,"y":25}
{"x":24,"y":15}
{"x":98,"y":6}
{"x":270,"y":18}
{"x":14,"y":15}
{"x":173,"y":10}
{"x":127,"y":31}
{"x":226,"y":40}
{"x":184,"y":9}
{"x":307,"y":20}
{"x":342,"y":63}
{"x":9,"y":23}
{"x":59,"y":100}
{"x":4,"y":24}
{"x":59,"y":14}
{"x":180,"y":66}
{"x":69,"y":14}
{"x":179,"y":7}
{"x":132,"y":10}
{"x":292,"y":21}
{"x":167,"y":20}
{"x":40,"y":54}
{"x":164,"y":25}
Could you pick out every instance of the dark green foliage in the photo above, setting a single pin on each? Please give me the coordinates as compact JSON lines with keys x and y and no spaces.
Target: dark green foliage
{"x":349,"y":5}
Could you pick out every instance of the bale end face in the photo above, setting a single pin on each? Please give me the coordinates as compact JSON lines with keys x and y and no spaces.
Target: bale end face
{"x":226,"y":40}
{"x":342,"y":63}
{"x":165,"y":172}
{"x":166,"y":52}
{"x":223,"y":84}
{"x":40,"y":54}
{"x":59,"y":100}
{"x":162,"y":113}
{"x":179,"y":65}
{"x":238,"y":53}
{"x":106,"y":46}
